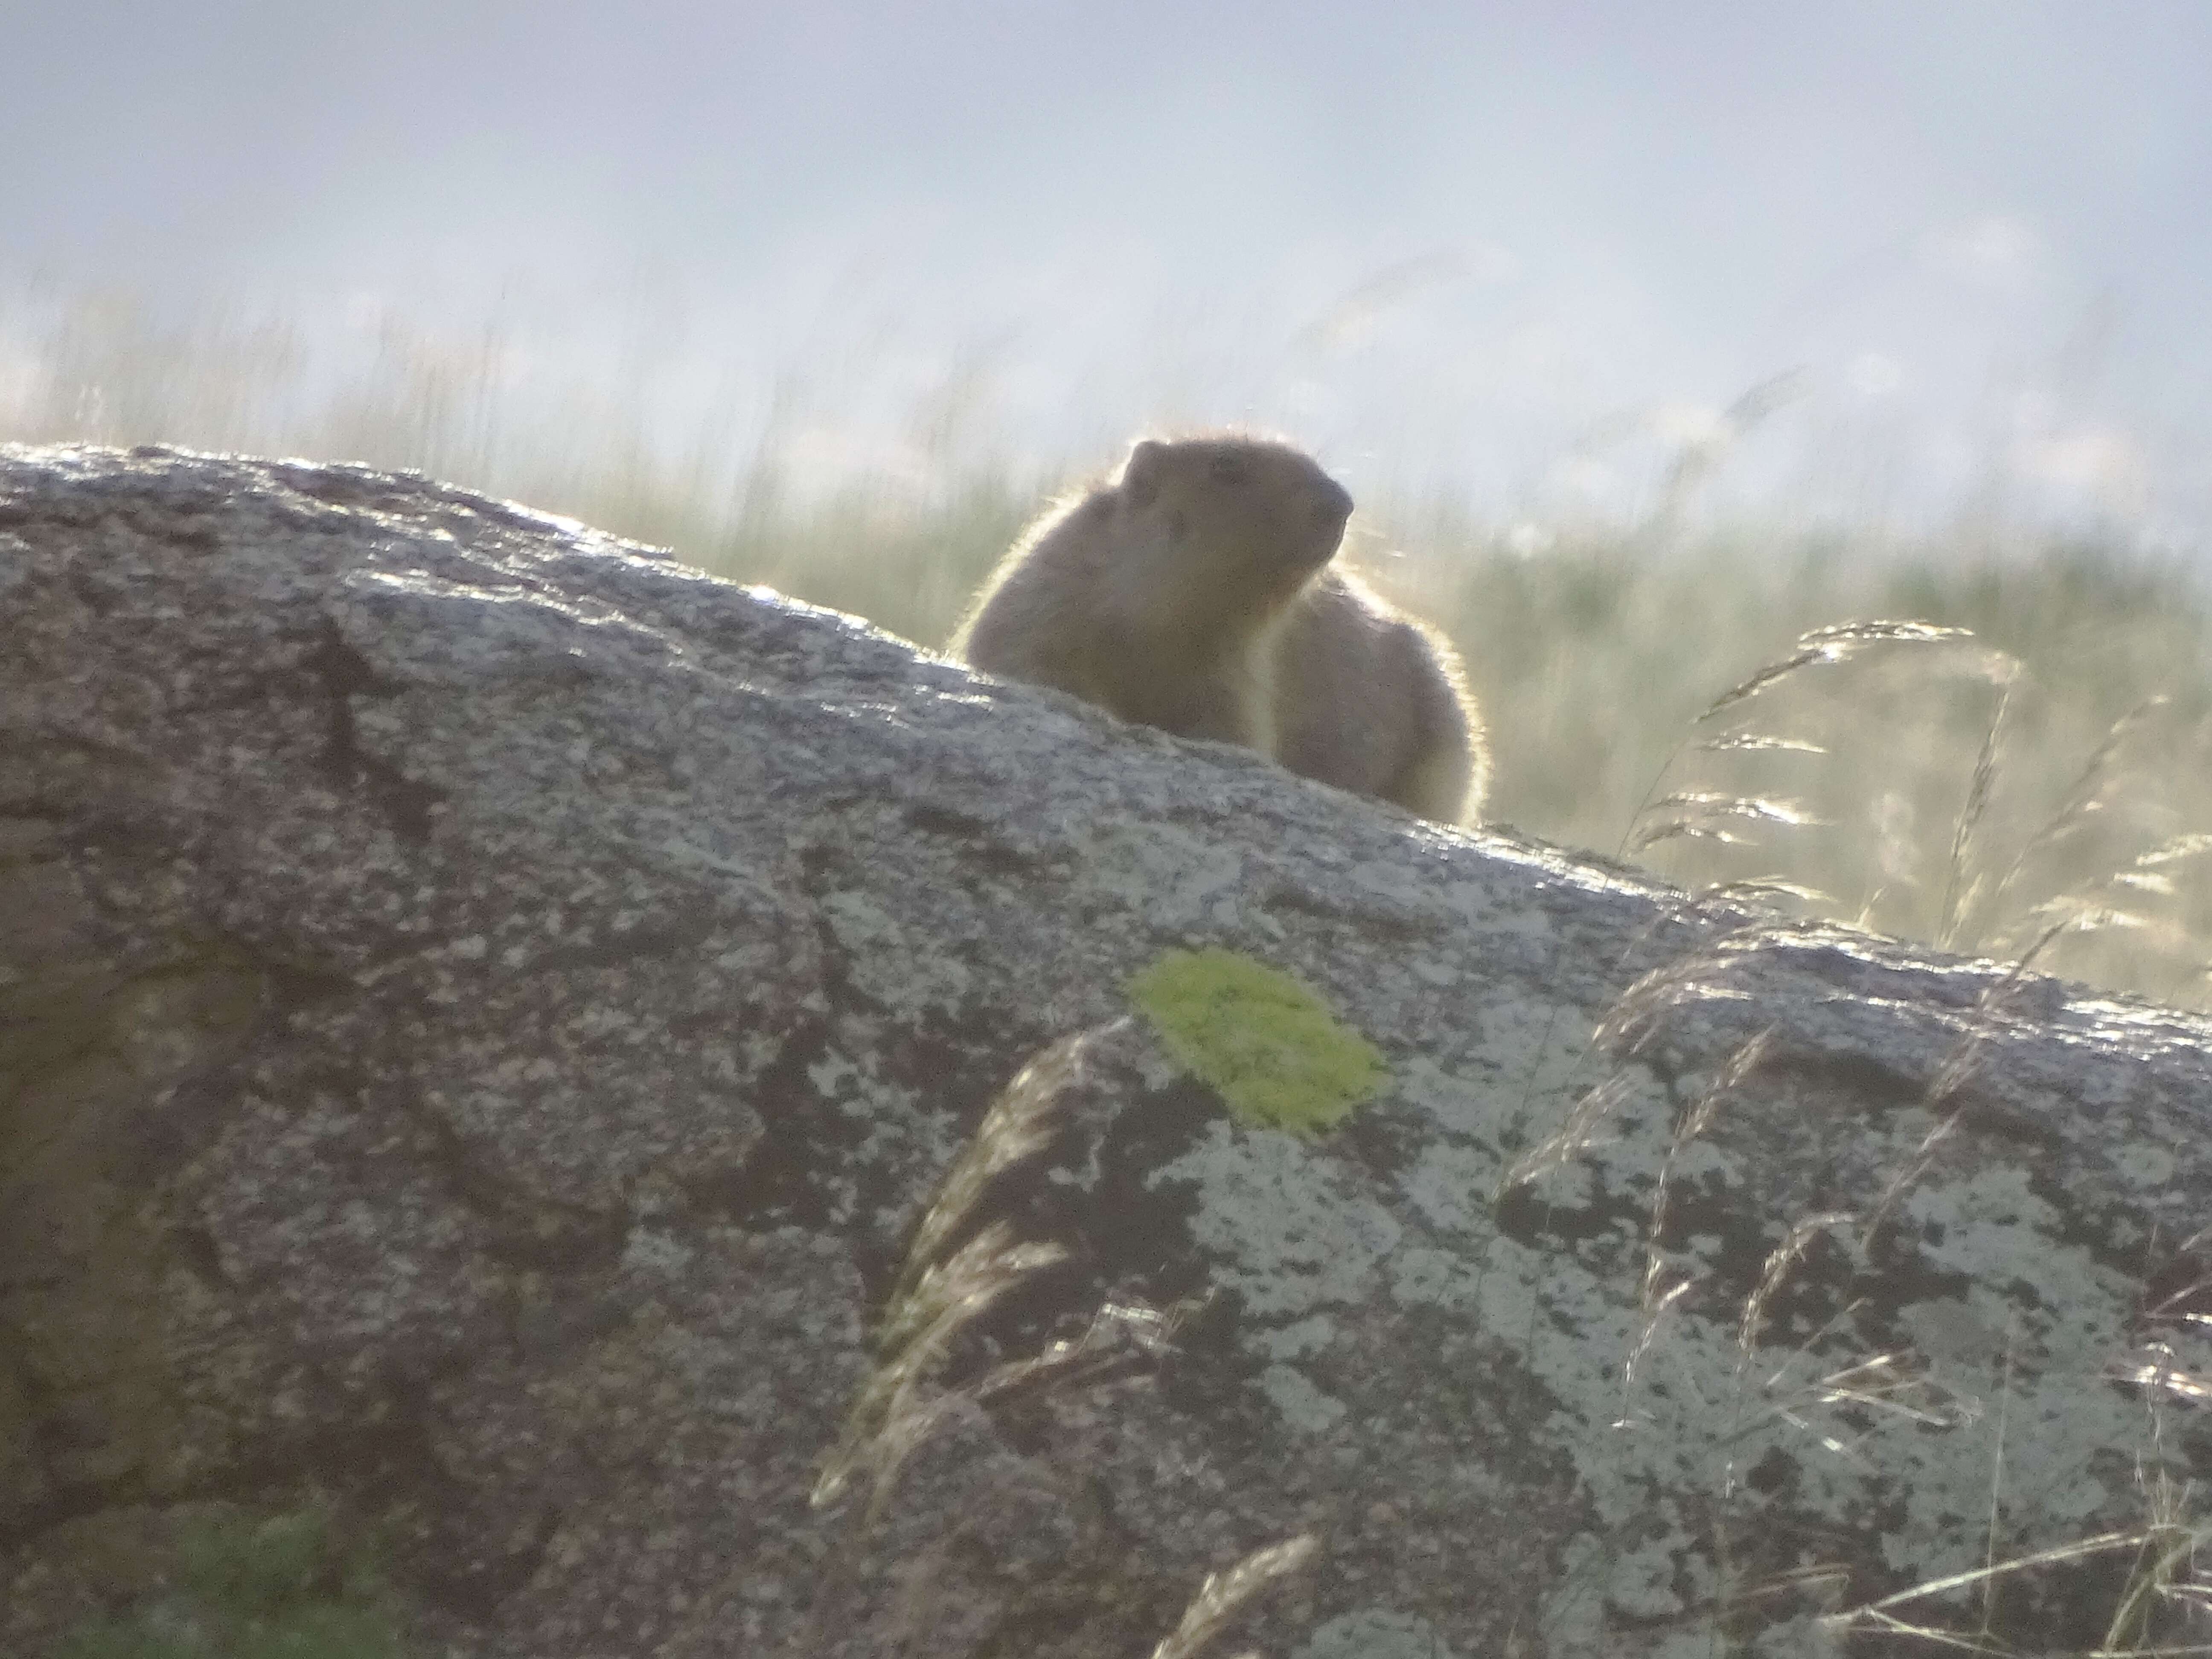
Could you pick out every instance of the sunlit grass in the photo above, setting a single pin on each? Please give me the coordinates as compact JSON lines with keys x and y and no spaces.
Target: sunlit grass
{"x":1971,"y":792}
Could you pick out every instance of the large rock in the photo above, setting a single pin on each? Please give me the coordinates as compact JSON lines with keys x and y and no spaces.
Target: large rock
{"x":484,"y":1012}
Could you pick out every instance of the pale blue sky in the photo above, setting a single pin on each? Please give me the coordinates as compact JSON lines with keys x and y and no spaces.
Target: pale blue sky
{"x":1516,"y":251}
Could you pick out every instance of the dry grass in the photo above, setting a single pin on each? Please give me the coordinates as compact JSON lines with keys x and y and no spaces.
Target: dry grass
{"x":2160,"y":1589}
{"x":1969,"y":791}
{"x":2021,"y":883}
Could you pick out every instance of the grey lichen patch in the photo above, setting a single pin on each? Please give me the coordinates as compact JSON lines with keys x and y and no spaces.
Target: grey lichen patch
{"x":1303,"y":1406}
{"x":884,"y":962}
{"x":1269,"y":1045}
{"x":1377,"y":1634}
{"x":1437,"y":1278}
{"x":2149,"y":1167}
{"x":1989,"y":1394}
{"x":1293,"y":1241}
{"x":1287,"y":1233}
{"x":1304,"y":1337}
{"x":1176,"y":877}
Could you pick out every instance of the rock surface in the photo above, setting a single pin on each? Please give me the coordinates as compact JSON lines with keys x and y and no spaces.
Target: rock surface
{"x":484,"y":1012}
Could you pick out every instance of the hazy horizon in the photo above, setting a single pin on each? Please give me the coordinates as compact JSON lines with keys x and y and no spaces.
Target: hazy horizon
{"x":1526,"y":257}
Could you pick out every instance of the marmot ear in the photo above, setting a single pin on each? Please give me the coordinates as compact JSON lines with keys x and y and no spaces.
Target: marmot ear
{"x":1140,"y":473}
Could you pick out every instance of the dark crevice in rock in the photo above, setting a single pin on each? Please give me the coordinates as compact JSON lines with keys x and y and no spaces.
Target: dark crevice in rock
{"x":180,"y":531}
{"x":778,"y":1184}
{"x":788,"y":1174}
{"x":192,"y":1246}
{"x":1372,"y":921}
{"x":1386,"y":1143}
{"x":2175,"y":1281}
{"x":1212,"y":1376}
{"x":952,"y":1073}
{"x":933,"y":820}
{"x":333,"y":671}
{"x":1710,"y":1206}
{"x":980,"y":845}
{"x":1869,"y":1082}
{"x":817,"y":866}
{"x":1137,"y":1229}
{"x":1533,"y":1217}
{"x":1128,"y":1236}
{"x":39,"y":812}
{"x":344,"y":674}
{"x":1984,"y":1112}
{"x":88,"y":590}
{"x":1814,"y":1294}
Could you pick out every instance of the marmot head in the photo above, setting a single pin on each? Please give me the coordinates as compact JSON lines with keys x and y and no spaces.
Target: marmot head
{"x":1260,"y":515}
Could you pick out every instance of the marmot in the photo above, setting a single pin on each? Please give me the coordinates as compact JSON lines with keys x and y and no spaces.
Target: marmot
{"x":1193,"y":592}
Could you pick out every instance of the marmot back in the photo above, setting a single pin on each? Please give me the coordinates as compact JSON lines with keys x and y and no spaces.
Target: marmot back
{"x":1192,"y":594}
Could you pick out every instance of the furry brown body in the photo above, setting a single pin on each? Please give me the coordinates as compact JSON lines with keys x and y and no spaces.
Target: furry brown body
{"x":1193,"y":592}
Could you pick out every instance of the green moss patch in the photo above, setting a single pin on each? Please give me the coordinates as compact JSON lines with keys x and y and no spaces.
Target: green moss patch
{"x":1267,"y":1043}
{"x":281,"y":1588}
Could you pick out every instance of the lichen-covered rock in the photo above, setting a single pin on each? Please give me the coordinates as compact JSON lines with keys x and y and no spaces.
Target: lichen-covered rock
{"x":496,"y":1033}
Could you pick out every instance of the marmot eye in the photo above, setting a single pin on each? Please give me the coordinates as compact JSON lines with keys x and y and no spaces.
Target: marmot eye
{"x":1226,"y":469}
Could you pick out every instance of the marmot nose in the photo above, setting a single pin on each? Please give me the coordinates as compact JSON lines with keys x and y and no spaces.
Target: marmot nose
{"x":1334,"y":505}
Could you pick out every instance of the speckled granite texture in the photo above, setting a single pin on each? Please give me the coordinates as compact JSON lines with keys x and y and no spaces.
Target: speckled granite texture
{"x":484,"y":1011}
